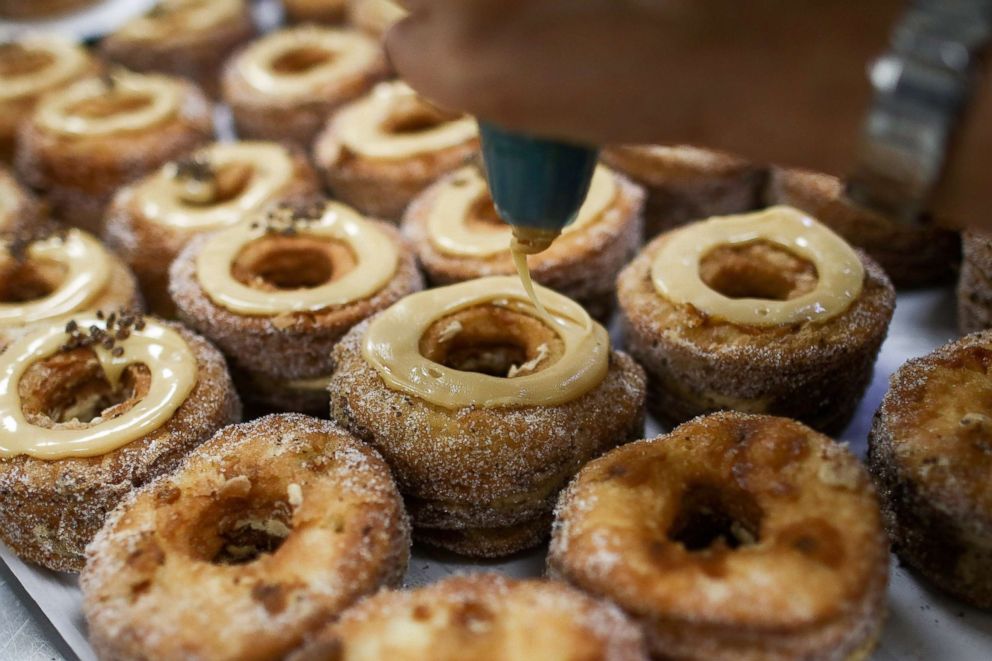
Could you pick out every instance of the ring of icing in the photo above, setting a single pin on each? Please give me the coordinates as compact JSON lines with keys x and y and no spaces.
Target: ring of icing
{"x":56,"y":112}
{"x":160,"y":200}
{"x":173,"y":370}
{"x":348,"y":54}
{"x":392,"y":347}
{"x":363,"y":125}
{"x":175,"y":17}
{"x":450,"y":232}
{"x":840,"y":274}
{"x":87,"y":270}
{"x":68,"y":59}
{"x":376,"y":260}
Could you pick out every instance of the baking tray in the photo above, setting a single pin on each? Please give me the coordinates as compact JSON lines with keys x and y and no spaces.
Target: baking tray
{"x":922,"y":623}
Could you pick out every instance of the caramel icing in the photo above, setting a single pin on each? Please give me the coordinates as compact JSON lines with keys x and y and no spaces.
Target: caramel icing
{"x":87,"y":268}
{"x":173,"y":370}
{"x":840,"y":274}
{"x":365,"y":125}
{"x":59,"y":60}
{"x":451,"y":230}
{"x":173,"y":19}
{"x":167,"y":196}
{"x":132,"y":102}
{"x":376,"y":260}
{"x":392,"y":347}
{"x":344,"y":53}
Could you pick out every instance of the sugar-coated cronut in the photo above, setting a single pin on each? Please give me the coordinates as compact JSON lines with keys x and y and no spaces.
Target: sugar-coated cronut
{"x":284,"y":85}
{"x":480,"y":477}
{"x":85,"y":141}
{"x":685,"y":183}
{"x":735,"y":536}
{"x":912,"y":255}
{"x":458,"y":236}
{"x":51,"y":508}
{"x":931,"y":455}
{"x":484,"y":617}
{"x":189,"y":38}
{"x":262,"y":536}
{"x":721,"y":346}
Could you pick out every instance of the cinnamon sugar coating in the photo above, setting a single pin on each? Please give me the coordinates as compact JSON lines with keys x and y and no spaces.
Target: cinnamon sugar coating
{"x":482,"y":617}
{"x":50,"y":509}
{"x":262,"y":536}
{"x":815,"y":372}
{"x":931,"y":455}
{"x":478,"y":480}
{"x":735,"y":536}
{"x":271,"y":350}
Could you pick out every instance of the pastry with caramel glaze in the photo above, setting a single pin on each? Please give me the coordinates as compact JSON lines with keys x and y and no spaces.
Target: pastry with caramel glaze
{"x":267,"y":532}
{"x":87,"y":140}
{"x":215,"y":187}
{"x":190,"y":38}
{"x":912,"y":255}
{"x":768,"y":312}
{"x":483,"y":409}
{"x":736,"y":536}
{"x":381,"y":151}
{"x":48,"y":274}
{"x":284,"y":85}
{"x":930,"y":451}
{"x":458,"y":236}
{"x":29,"y":68}
{"x":278,"y":292}
{"x":484,"y":617}
{"x":91,"y":410}
{"x":686,"y":183}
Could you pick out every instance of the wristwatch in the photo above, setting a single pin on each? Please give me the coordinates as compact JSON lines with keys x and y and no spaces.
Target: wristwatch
{"x":922,"y":87}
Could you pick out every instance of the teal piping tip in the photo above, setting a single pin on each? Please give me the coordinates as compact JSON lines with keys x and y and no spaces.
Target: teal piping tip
{"x":534,"y":182}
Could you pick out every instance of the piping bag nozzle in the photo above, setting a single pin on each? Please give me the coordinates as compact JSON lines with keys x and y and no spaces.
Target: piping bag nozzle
{"x":537,"y":184}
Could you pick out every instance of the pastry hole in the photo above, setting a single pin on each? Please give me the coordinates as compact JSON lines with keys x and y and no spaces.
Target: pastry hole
{"x":482,"y":212}
{"x":26,"y":281}
{"x":244,"y":534}
{"x":110,"y":104}
{"x":16,"y":60}
{"x":414,"y":115}
{"x":301,"y":60}
{"x":710,"y":517}
{"x":70,"y":388}
{"x":759,"y":270}
{"x":492,"y":340}
{"x":292,"y":262}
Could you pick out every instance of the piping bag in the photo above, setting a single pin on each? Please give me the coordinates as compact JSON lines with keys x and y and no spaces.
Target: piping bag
{"x":538,"y":186}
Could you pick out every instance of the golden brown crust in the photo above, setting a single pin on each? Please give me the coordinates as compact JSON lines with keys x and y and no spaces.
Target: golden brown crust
{"x":582,"y":265}
{"x":78,"y":176}
{"x":912,"y":256}
{"x":325,"y":12}
{"x":150,"y":247}
{"x":293,"y":120}
{"x":50,"y":510}
{"x":195,"y":54}
{"x":378,"y":188}
{"x":930,"y":455}
{"x":479,"y":468}
{"x":734,"y":537}
{"x":685,"y":183}
{"x":816,"y":372}
{"x":288,"y":347}
{"x":178,"y":573}
{"x":480,"y":617}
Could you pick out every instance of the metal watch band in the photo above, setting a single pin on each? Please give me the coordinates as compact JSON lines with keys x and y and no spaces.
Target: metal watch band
{"x":921,"y":85}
